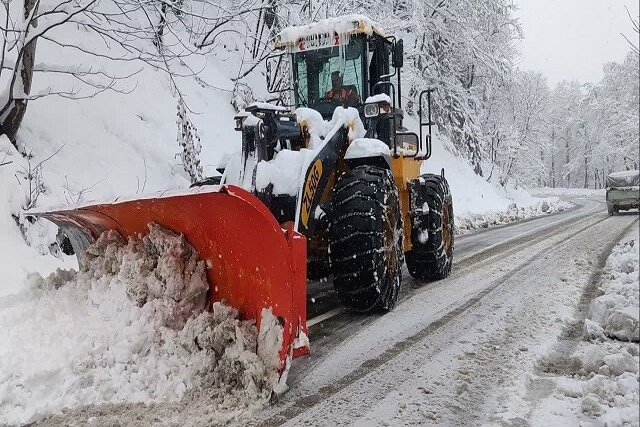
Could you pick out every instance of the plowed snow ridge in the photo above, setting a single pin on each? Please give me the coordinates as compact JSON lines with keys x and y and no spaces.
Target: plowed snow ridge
{"x":129,"y":327}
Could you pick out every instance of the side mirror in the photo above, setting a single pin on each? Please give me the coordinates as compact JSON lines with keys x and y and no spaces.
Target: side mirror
{"x":408,"y":143}
{"x":276,"y":67}
{"x":397,"y":54}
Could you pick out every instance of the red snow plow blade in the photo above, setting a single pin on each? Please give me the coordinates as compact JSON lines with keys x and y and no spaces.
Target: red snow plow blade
{"x":252,"y":262}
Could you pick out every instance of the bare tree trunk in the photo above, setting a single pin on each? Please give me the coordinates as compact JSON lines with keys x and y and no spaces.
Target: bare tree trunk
{"x":24,"y":78}
{"x":566,"y":146}
{"x":553,"y":171}
{"x":541,"y":174}
{"x":586,"y":171}
{"x":160,"y":29}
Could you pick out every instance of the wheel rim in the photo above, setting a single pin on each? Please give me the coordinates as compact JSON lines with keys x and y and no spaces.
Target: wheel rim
{"x":447,"y":233}
{"x":390,"y":241}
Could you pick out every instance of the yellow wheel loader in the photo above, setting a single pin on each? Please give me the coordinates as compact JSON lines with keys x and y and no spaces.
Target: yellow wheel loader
{"x":359,"y":209}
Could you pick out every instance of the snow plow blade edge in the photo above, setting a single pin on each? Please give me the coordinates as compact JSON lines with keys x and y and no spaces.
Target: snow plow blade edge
{"x":252,"y":263}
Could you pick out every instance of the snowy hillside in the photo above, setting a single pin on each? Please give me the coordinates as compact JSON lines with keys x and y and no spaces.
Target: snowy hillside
{"x":125,"y":144}
{"x":117,"y":144}
{"x":122,"y":145}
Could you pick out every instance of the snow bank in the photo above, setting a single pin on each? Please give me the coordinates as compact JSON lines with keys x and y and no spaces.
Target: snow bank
{"x":616,"y":312}
{"x":597,"y":383}
{"x":18,"y":259}
{"x":610,"y":359}
{"x":575,"y":192}
{"x":534,"y":208}
{"x":129,"y":327}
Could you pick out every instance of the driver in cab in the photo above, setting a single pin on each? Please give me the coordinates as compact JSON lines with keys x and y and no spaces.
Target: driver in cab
{"x":339,"y":94}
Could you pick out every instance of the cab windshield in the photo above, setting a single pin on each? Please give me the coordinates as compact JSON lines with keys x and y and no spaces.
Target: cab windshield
{"x":329,"y":77}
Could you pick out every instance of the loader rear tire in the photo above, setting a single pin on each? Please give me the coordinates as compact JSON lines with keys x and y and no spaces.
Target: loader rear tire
{"x":432,"y":237}
{"x":365,"y":239}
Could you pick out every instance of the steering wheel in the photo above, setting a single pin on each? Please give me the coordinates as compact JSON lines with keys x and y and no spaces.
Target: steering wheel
{"x":329,"y":101}
{"x":326,"y":106}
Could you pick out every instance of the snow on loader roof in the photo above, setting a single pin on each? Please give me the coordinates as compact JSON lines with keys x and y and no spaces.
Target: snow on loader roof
{"x":322,"y":33}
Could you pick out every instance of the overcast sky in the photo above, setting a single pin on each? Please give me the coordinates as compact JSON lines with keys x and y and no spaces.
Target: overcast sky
{"x":571,"y":39}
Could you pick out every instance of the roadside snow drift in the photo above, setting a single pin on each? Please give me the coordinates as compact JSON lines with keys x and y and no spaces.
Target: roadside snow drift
{"x":610,"y":392}
{"x":130,"y":326}
{"x":527,"y":209}
{"x":596,"y":383}
{"x":616,"y":312}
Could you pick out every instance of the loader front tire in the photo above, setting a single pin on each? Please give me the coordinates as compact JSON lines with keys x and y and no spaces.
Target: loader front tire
{"x":365,"y":239}
{"x":432,"y":227}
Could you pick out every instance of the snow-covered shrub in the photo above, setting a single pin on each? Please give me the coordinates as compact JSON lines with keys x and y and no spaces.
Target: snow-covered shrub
{"x":242,"y":96}
{"x":189,"y":140}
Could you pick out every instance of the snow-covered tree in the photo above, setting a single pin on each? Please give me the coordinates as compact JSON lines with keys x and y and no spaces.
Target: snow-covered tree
{"x":189,"y":140}
{"x":463,"y":50}
{"x":111,"y":41}
{"x":582,"y":133}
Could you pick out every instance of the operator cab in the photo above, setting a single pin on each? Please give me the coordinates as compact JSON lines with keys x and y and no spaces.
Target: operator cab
{"x":348,"y":61}
{"x":330,"y":77}
{"x":336,"y":63}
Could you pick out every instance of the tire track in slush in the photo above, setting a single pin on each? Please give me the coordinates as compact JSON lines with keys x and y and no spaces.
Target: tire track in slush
{"x":326,"y":304}
{"x":304,"y":404}
{"x":476,"y":393}
{"x":340,"y":322}
{"x":335,"y":317}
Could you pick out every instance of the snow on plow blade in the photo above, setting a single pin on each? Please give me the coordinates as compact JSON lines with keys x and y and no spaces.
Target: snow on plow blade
{"x":252,"y":263}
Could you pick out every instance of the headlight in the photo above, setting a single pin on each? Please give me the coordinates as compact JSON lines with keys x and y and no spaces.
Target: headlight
{"x":371,"y":110}
{"x":239,"y":119}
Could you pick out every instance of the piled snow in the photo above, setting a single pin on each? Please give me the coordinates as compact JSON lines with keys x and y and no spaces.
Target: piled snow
{"x":342,"y":25}
{"x":616,"y":312}
{"x":316,"y":126}
{"x":514,"y":212}
{"x":366,"y":147}
{"x":18,"y":259}
{"x":575,"y":192}
{"x":286,"y":171}
{"x":381,"y":97}
{"x":129,"y":327}
{"x":267,"y":106}
{"x":610,"y":362}
{"x":597,"y":382}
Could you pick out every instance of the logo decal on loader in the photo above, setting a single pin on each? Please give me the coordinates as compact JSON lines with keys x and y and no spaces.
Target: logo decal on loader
{"x":310,"y":188}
